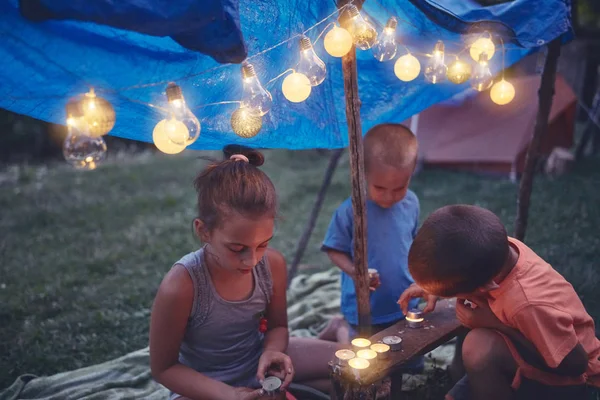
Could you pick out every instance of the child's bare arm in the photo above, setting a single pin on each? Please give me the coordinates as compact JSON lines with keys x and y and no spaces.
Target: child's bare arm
{"x":342,"y":261}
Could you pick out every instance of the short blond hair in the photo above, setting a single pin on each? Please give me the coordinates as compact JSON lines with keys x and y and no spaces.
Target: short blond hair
{"x":390,"y":144}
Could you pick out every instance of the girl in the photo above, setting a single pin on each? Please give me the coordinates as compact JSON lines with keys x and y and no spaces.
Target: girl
{"x":219,"y":320}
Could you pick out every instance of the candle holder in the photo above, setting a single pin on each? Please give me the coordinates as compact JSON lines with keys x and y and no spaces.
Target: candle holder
{"x":271,"y":386}
{"x":414,"y":319}
{"x":382,"y":350}
{"x":358,"y":366}
{"x":360,"y":344}
{"x":342,"y":356}
{"x":395,"y":342}
{"x":367,"y":354}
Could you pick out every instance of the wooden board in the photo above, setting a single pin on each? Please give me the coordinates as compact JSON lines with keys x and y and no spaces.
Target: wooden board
{"x":439,"y":327}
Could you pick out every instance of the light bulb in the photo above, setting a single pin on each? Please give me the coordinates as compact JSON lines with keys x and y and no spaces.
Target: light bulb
{"x":385,"y":48}
{"x":407,"y":67}
{"x":98,"y":113}
{"x":363,"y":33}
{"x":310,"y":64}
{"x":337,"y":42}
{"x":458,"y":72}
{"x":503,"y":92}
{"x":255,"y":98}
{"x":482,"y":45}
{"x":181,"y":112}
{"x":245,"y":124}
{"x":482,"y":79}
{"x":435,"y":71}
{"x":80,"y":149}
{"x":167,"y":129}
{"x":296,"y":87}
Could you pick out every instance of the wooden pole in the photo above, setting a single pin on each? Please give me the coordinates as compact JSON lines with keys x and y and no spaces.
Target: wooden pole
{"x":314,"y":214}
{"x":359,"y":190}
{"x":545,"y":94}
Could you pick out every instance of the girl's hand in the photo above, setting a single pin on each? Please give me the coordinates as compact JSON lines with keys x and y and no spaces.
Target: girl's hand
{"x":374,"y":280}
{"x":414,"y":291}
{"x":277,"y":364}
{"x":479,"y":317}
{"x":242,"y":393}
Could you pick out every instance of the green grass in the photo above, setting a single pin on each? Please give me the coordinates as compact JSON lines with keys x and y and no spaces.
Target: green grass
{"x":83,"y":253}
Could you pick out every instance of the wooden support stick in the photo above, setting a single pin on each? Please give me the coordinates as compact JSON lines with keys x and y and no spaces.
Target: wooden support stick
{"x":314,"y":214}
{"x":545,"y":95}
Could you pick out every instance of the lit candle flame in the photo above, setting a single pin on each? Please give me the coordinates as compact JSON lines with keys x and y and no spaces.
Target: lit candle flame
{"x":367,"y":354}
{"x":360,"y":342}
{"x":380,"y":347}
{"x":359,"y":363}
{"x":345,"y":354}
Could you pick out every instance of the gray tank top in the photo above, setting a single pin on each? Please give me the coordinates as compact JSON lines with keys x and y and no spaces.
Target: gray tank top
{"x":222,"y":338}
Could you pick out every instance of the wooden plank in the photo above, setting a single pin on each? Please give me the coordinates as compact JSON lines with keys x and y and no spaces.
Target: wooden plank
{"x":439,"y":327}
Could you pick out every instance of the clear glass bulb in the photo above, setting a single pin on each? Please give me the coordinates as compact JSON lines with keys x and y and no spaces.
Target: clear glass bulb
{"x":363,"y":33}
{"x":80,"y":149}
{"x":181,"y":112}
{"x":98,"y":113}
{"x":482,"y":78}
{"x":435,"y":71}
{"x":310,"y":64}
{"x":385,"y":48}
{"x":256,"y":99}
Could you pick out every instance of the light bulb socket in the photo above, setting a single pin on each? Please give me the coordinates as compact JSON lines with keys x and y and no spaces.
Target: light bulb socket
{"x":392,"y":23}
{"x":174,"y":92}
{"x":73,"y":109}
{"x":352,"y":10}
{"x":248,"y":70}
{"x":439,"y":46}
{"x":305,"y":43}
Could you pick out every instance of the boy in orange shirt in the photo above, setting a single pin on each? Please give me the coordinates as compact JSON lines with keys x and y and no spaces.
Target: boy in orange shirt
{"x":531,"y":336}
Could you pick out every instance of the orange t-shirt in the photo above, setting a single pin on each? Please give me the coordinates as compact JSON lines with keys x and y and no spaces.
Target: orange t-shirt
{"x":538,"y":302}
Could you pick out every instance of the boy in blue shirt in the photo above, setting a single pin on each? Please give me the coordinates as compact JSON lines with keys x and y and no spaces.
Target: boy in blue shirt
{"x":390,"y":152}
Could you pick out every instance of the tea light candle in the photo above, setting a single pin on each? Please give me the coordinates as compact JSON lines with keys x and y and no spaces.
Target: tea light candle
{"x":271,"y":385}
{"x":381,"y":349}
{"x":367,"y":354}
{"x":395,"y":342}
{"x":360,"y":343}
{"x":414,"y":319}
{"x":344,"y":355}
{"x":358,"y":364}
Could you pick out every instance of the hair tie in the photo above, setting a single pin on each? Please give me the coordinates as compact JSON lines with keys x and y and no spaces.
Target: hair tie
{"x":239,"y":157}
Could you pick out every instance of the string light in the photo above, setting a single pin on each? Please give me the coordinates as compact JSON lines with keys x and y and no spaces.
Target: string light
{"x":385,"y":48}
{"x":435,"y":71}
{"x":98,"y":113}
{"x":337,"y":42}
{"x":458,"y":72}
{"x":296,"y":87}
{"x":80,"y":149}
{"x":482,"y":45}
{"x":245,"y":124}
{"x":363,"y":33}
{"x":310,"y":64}
{"x":407,"y":67}
{"x":169,"y":136}
{"x":503,"y":92}
{"x":482,"y":76}
{"x":180,"y":112}
{"x":256,"y":99}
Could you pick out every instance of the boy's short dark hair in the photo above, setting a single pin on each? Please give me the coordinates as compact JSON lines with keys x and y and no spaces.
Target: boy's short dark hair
{"x":390,"y":144}
{"x":458,"y":249}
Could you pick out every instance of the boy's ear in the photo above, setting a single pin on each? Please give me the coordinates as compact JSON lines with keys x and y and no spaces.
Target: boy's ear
{"x":200,"y":230}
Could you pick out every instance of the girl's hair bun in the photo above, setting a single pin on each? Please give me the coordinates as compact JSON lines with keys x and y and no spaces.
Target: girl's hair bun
{"x":255,"y":157}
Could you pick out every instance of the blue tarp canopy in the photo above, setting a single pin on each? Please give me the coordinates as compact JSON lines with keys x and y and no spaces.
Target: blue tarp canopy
{"x":53,"y":50}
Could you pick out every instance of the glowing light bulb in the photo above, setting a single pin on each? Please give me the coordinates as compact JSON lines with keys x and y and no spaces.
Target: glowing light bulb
{"x":482,"y":45}
{"x":256,"y":99}
{"x":245,"y":123}
{"x":363,"y":33}
{"x":296,"y":87}
{"x":482,"y":79}
{"x":503,"y":92}
{"x":181,"y":112}
{"x":337,"y":42}
{"x":385,"y":48}
{"x":435,"y":71}
{"x":458,"y":72}
{"x":98,"y":113}
{"x":407,"y":67}
{"x":167,"y":129}
{"x":310,"y":64}
{"x":80,"y":149}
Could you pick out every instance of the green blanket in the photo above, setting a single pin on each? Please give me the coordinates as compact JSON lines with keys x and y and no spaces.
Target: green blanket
{"x":312,"y":300}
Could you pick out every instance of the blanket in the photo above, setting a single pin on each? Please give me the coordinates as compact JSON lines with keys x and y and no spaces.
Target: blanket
{"x":312,"y":300}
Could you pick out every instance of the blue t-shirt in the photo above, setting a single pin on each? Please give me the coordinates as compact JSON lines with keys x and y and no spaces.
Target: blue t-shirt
{"x":390,"y":233}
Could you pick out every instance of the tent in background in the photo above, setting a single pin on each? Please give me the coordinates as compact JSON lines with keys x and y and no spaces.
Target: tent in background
{"x":478,"y":135}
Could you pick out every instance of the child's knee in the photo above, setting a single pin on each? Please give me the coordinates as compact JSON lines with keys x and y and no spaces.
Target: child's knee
{"x":482,"y":349}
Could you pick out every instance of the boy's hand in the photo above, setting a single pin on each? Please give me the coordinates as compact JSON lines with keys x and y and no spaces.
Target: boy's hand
{"x":374,"y":281}
{"x":480,"y":316}
{"x":414,"y":291}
